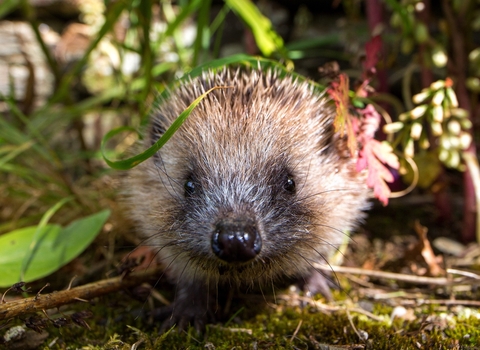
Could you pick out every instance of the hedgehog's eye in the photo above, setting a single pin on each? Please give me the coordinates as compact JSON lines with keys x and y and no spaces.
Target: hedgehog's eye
{"x":189,"y":188}
{"x":290,"y":184}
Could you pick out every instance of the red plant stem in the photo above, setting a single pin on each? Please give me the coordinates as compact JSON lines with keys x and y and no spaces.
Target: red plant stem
{"x":375,"y":17}
{"x":458,"y":65}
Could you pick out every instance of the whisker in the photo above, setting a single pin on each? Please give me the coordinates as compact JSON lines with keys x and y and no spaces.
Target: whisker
{"x":170,"y":179}
{"x":346,"y":189}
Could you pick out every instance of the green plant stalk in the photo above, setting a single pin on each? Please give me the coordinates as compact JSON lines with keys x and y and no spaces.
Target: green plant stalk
{"x":180,"y":18}
{"x":28,"y":11}
{"x":217,"y":26}
{"x":201,"y":43}
{"x":406,"y":83}
{"x":266,"y":38}
{"x":472,"y":164}
{"x":145,"y":16}
{"x":219,"y":21}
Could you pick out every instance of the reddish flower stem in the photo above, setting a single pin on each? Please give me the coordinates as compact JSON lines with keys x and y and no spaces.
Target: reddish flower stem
{"x":375,"y":17}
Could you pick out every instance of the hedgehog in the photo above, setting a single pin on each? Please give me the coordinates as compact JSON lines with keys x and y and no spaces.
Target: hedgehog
{"x":253,"y":188}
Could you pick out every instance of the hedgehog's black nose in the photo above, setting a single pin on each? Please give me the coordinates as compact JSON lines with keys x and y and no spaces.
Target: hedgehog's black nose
{"x":236,"y":240}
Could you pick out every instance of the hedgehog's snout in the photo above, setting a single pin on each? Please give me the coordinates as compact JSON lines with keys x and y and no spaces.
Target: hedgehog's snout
{"x":236,"y":240}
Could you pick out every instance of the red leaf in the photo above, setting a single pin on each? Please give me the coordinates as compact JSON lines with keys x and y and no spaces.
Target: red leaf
{"x":375,"y":156}
{"x":339,"y":92}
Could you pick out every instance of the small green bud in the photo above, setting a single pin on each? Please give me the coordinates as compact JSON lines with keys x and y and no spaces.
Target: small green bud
{"x":437,"y":129}
{"x":423,"y":142}
{"x":465,"y":140}
{"x":439,"y":57}
{"x":473,"y":83}
{"x":437,"y":85}
{"x":454,"y":127}
{"x":454,"y":142}
{"x":438,"y":97}
{"x":452,"y":97}
{"x":392,"y":128}
{"x":418,"y":111}
{"x":421,"y":33}
{"x":443,"y":155}
{"x":416,"y":131}
{"x":404,"y":116}
{"x":445,"y":142}
{"x":465,"y":123}
{"x":437,"y":113}
{"x":420,"y":97}
{"x":453,"y":160}
{"x":459,"y":112}
{"x":409,"y":149}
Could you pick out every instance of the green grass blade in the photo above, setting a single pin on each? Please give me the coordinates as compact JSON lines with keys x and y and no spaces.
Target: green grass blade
{"x":267,"y":39}
{"x":139,"y":158}
{"x":8,"y":6}
{"x":15,"y":152}
{"x":202,"y":40}
{"x":186,"y":11}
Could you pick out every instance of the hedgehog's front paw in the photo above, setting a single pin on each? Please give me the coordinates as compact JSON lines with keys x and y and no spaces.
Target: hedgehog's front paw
{"x":320,"y":283}
{"x":192,"y":306}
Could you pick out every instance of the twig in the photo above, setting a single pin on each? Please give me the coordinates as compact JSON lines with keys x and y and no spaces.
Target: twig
{"x":440,"y":281}
{"x":88,"y":291}
{"x":446,"y":302}
{"x":332,"y":308}
{"x":296,"y":330}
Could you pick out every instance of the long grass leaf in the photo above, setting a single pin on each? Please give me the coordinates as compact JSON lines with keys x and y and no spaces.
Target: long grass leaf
{"x":139,"y":158}
{"x":267,"y":39}
{"x":203,"y":33}
{"x":185,"y":12}
{"x":8,"y":6}
{"x":15,"y":152}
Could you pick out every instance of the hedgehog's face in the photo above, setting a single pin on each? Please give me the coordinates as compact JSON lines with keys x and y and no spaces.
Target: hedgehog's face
{"x":239,"y":222}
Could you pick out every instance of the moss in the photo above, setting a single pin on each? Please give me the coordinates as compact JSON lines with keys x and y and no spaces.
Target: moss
{"x":115,"y":325}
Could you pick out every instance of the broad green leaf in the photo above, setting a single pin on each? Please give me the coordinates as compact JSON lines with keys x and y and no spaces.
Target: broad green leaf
{"x":55,"y":247}
{"x":36,"y":240}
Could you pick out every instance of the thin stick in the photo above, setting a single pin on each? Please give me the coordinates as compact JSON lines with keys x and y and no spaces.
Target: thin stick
{"x":440,"y":281}
{"x":88,"y":291}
